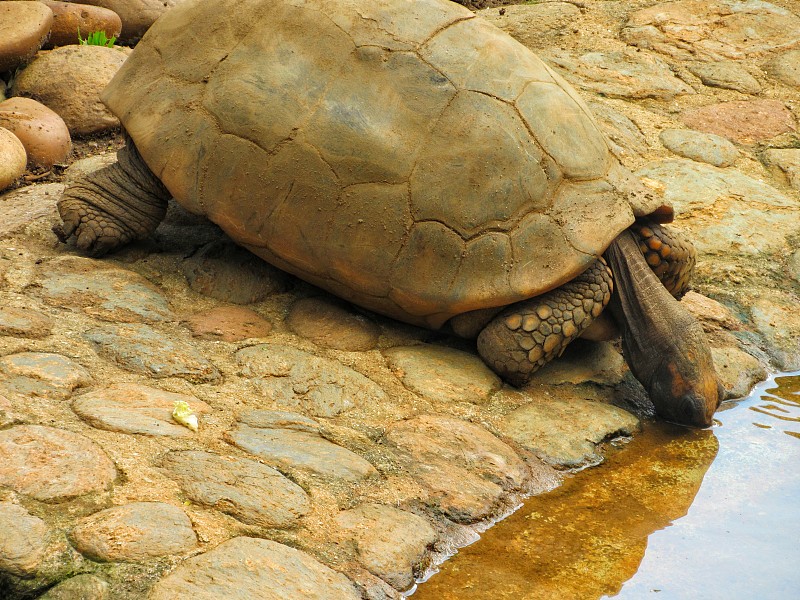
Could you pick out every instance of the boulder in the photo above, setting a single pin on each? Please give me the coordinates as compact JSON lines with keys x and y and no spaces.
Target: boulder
{"x":137,"y":15}
{"x":23,"y":29}
{"x":71,"y":20}
{"x":12,"y":158}
{"x":42,"y":132}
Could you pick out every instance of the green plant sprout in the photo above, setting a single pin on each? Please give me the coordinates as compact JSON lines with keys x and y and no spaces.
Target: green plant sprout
{"x":97,"y":38}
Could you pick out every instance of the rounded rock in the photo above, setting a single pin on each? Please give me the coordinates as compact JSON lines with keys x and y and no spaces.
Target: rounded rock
{"x":13,"y":158}
{"x":23,"y":29}
{"x":701,"y":147}
{"x":786,"y":68}
{"x":69,"y":80}
{"x":24,"y":541}
{"x":72,"y":20}
{"x":42,"y":132}
{"x":137,"y":15}
{"x":331,"y":324}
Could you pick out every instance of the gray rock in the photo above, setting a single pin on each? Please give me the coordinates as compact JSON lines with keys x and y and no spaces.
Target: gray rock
{"x":245,"y":489}
{"x":134,"y":532}
{"x":100,"y":291}
{"x":332,"y":324}
{"x":390,"y":541}
{"x":28,"y":323}
{"x":23,"y":542}
{"x":443,"y":374}
{"x":142,"y":349}
{"x":84,"y":166}
{"x":727,"y":75}
{"x":288,"y":449}
{"x":464,"y":468}
{"x":43,"y":374}
{"x":737,"y":370}
{"x":83,"y":587}
{"x":132,"y":408}
{"x":786,"y":68}
{"x":748,"y":216}
{"x":229,"y":273}
{"x":566,"y":433}
{"x":245,"y":568}
{"x":625,"y":74}
{"x":701,"y":147}
{"x":786,"y":163}
{"x":718,"y":30}
{"x":295,"y":379}
{"x":793,"y":265}
{"x":51,"y":464}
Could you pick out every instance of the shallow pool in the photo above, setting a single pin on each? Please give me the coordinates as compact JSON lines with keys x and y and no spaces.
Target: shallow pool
{"x":677,"y":514}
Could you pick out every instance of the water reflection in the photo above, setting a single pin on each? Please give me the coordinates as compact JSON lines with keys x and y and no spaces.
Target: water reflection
{"x":642,"y":524}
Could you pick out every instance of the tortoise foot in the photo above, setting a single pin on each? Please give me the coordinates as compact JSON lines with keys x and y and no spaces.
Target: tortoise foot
{"x":528,"y":334}
{"x":671,"y":257}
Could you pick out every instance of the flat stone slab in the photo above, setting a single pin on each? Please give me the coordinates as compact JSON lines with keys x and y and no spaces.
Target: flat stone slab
{"x":725,"y":211}
{"x":52,"y":464}
{"x":746,"y":121}
{"x":566,"y":433}
{"x":465,"y":468}
{"x":133,"y":408}
{"x":786,"y":161}
{"x":390,"y":541}
{"x":101,"y":291}
{"x":142,"y":349}
{"x":776,"y":319}
{"x":625,"y":74}
{"x":43,"y":374}
{"x":712,"y":29}
{"x":245,"y":489}
{"x":727,"y":75}
{"x":294,"y":378}
{"x":229,"y":324}
{"x":25,"y":205}
{"x":23,"y":541}
{"x":786,"y":68}
{"x":288,"y":449}
{"x":332,"y":324}
{"x":244,"y":568}
{"x":134,"y":532}
{"x":701,"y":147}
{"x":227,"y":272}
{"x":21,"y":322}
{"x":443,"y":374}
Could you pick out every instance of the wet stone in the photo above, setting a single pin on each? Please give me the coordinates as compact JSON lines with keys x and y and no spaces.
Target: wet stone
{"x":786,"y":68}
{"x":443,"y":374}
{"x":135,"y":532}
{"x":746,"y":121}
{"x":748,"y":216}
{"x":727,"y":75}
{"x":85,"y":587}
{"x":245,"y":489}
{"x":332,"y":324}
{"x":786,"y":162}
{"x":23,"y":541}
{"x":390,"y":542}
{"x":43,"y":374}
{"x":701,"y":147}
{"x":132,"y":408}
{"x":229,"y":324}
{"x":243,"y":568}
{"x":289,"y":449}
{"x":144,"y":350}
{"x":107,"y":293}
{"x":51,"y":464}
{"x":776,"y":319}
{"x":226,"y":272}
{"x":566,"y":433}
{"x":737,"y":370}
{"x":24,"y":322}
{"x":626,"y":74}
{"x":294,"y":378}
{"x":464,"y":468}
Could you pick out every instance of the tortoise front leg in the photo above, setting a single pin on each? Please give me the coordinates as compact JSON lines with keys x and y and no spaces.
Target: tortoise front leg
{"x":671,"y":257}
{"x":120,"y":203}
{"x":528,"y":334}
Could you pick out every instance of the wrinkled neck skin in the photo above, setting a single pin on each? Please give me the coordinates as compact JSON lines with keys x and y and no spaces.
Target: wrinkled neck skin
{"x":663,"y":344}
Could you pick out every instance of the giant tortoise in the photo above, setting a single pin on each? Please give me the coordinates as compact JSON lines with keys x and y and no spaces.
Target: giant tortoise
{"x":411,"y":158}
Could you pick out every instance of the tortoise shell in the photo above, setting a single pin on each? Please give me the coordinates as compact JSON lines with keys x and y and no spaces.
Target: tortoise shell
{"x":403,"y":154}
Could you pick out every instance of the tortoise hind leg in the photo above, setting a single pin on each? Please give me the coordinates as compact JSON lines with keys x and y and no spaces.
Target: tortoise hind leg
{"x":120,"y":203}
{"x":528,"y":334}
{"x":671,"y":257}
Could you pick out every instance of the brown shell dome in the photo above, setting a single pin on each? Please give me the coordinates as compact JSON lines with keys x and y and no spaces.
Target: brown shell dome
{"x":403,"y":154}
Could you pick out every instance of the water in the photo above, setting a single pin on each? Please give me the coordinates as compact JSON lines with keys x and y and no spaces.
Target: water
{"x":678,"y":514}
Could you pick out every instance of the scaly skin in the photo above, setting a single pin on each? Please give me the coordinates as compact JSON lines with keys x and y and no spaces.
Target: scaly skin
{"x":113,"y":206}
